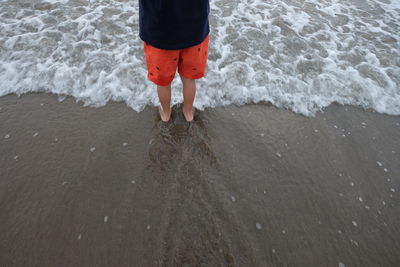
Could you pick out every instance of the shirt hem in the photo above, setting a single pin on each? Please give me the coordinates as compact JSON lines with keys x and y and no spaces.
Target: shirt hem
{"x":174,"y":46}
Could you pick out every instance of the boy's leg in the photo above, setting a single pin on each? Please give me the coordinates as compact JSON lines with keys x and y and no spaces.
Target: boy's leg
{"x":192,"y":66}
{"x":189,"y":93}
{"x":164,"y":95}
{"x":161,"y":66}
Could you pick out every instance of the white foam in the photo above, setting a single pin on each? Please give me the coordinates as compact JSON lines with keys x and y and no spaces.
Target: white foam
{"x":297,"y":55}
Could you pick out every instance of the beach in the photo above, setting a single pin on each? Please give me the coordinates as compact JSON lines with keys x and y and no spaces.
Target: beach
{"x":250,"y":185}
{"x":292,"y":158}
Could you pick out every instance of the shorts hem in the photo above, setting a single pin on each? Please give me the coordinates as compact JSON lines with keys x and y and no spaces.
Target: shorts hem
{"x":192,"y":77}
{"x":160,"y":83}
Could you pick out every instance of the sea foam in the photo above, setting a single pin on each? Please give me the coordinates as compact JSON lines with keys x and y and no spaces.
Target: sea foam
{"x":300,"y":55}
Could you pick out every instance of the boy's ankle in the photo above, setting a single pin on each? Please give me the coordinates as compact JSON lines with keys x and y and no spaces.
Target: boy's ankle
{"x":187,"y":107}
{"x":168,"y":109}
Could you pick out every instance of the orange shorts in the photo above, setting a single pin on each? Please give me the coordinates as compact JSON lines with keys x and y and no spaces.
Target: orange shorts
{"x":162,"y":64}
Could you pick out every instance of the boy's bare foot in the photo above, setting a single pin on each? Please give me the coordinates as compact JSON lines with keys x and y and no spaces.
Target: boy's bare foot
{"x":188,"y":114}
{"x":165,"y":116}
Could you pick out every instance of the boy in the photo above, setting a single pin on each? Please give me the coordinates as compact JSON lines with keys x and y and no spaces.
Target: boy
{"x":175,"y":35}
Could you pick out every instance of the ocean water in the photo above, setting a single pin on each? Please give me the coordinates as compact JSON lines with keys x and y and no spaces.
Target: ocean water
{"x":300,"y":55}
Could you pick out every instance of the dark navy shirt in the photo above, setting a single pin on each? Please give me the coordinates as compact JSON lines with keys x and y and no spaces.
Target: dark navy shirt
{"x":173,"y":24}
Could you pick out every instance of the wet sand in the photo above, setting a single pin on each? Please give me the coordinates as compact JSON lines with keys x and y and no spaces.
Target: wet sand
{"x":241,"y":186}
